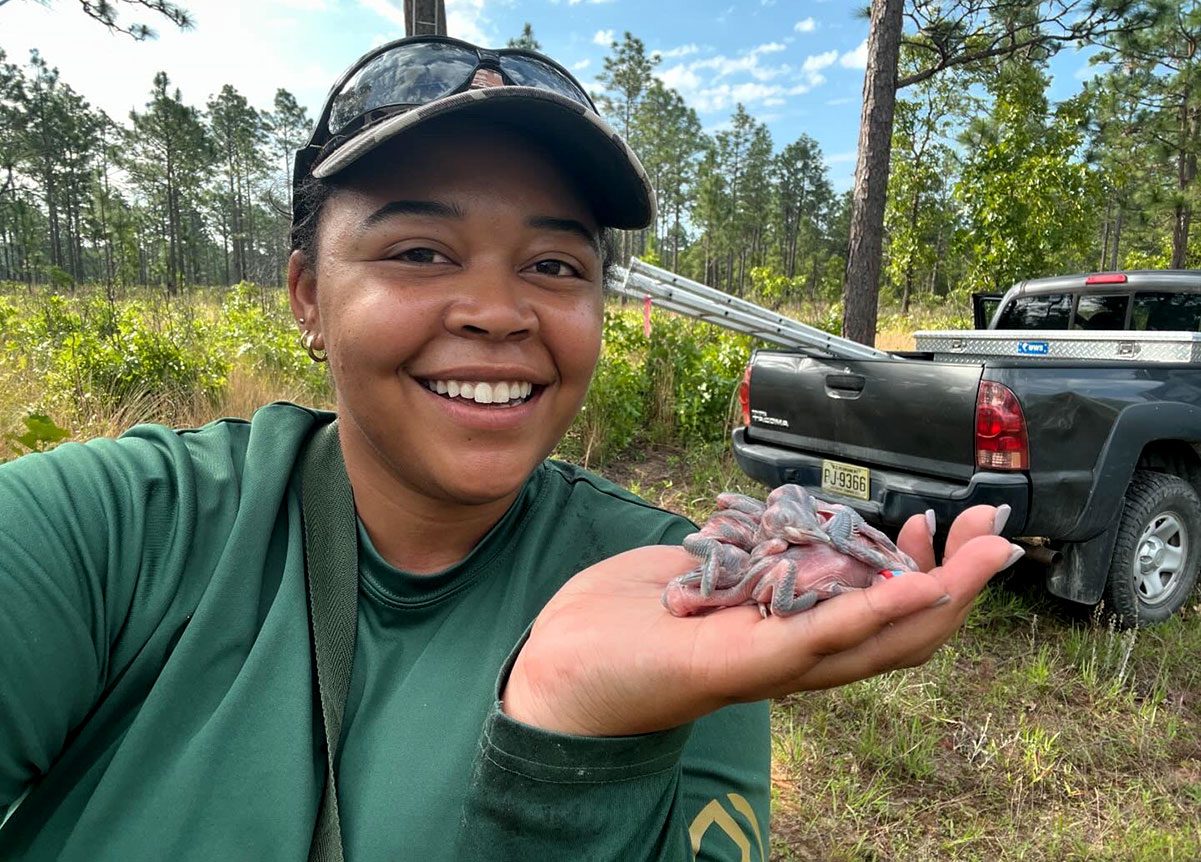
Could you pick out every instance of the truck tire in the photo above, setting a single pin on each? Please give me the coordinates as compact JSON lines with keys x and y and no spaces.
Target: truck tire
{"x":1158,"y":550}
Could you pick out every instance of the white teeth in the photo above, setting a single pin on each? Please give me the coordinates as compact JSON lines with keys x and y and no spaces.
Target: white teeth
{"x":482,"y":392}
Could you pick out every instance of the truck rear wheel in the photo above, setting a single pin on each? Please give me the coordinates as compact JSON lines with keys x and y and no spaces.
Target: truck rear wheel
{"x":1158,"y":550}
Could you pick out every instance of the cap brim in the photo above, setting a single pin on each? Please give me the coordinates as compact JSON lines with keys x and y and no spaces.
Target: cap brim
{"x":607,"y":170}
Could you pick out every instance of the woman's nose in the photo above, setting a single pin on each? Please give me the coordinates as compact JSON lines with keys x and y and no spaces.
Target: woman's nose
{"x":494,"y":306}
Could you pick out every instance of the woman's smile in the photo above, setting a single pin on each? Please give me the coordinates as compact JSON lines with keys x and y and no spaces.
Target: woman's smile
{"x":471,"y":277}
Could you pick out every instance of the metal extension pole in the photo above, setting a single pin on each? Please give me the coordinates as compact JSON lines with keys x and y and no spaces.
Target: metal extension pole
{"x":425,"y":17}
{"x":693,"y":299}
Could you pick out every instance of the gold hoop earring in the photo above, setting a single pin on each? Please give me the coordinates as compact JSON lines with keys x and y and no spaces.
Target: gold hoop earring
{"x":316,"y":354}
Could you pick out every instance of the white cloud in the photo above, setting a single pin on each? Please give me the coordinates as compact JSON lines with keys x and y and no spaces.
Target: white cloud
{"x":748,"y":63}
{"x":843,"y":157}
{"x":590,"y":2}
{"x":856,"y":59}
{"x":713,"y":83}
{"x":581,"y":65}
{"x":680,"y":51}
{"x":817,"y":62}
{"x":604,"y":38}
{"x":680,"y":78}
{"x":805,"y":25}
{"x":466,"y":20}
{"x":389,"y":12}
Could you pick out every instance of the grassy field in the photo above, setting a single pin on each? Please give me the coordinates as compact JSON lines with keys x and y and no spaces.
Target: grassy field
{"x":1038,"y":733}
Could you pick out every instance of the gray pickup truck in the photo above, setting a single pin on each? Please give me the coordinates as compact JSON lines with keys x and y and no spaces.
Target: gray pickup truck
{"x":1079,"y":406}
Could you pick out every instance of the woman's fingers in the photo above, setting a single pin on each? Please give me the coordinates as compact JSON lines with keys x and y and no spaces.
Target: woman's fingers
{"x":869,"y":632}
{"x":973,"y":522}
{"x":917,"y":540}
{"x":781,"y":650}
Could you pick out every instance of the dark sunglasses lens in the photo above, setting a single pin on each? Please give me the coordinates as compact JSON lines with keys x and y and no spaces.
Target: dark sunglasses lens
{"x":530,"y":72}
{"x":410,"y":74}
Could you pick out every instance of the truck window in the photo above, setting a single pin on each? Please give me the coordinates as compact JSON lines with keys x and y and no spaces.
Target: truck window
{"x":1101,"y":312}
{"x":1048,"y":311}
{"x":1166,"y":312}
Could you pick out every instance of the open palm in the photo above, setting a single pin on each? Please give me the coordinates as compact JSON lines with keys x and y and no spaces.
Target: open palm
{"x":605,"y":658}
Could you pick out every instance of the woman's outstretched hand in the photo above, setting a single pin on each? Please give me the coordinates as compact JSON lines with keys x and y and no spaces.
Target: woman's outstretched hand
{"x":605,"y":658}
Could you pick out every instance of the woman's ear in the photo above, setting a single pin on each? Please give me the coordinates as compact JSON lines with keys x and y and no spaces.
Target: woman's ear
{"x":302,"y":291}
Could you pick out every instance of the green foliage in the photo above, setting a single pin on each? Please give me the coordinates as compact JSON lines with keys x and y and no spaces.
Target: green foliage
{"x":59,"y":278}
{"x":41,"y":433}
{"x":828,"y":320}
{"x":261,"y":334}
{"x":120,"y":355}
{"x":612,"y":414}
{"x":117,"y":352}
{"x":676,"y":386}
{"x":771,"y":288}
{"x":693,"y":370}
{"x":1028,"y":202}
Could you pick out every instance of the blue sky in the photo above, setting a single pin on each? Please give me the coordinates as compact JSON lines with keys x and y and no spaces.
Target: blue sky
{"x":797,"y":66}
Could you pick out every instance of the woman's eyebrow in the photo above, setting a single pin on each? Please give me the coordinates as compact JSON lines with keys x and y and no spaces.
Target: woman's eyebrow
{"x":419,"y":208}
{"x":568,"y":225}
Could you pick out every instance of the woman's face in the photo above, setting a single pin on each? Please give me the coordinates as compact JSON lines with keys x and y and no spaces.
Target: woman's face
{"x":458,"y":293}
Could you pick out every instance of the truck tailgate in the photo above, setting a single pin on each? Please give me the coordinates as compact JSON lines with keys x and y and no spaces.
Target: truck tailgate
{"x":910,"y":414}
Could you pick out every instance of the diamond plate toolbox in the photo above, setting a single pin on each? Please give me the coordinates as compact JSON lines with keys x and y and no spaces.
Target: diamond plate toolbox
{"x":978,"y":345}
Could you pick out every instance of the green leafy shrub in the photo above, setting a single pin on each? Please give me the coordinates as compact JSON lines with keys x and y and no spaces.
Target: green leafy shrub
{"x":121,"y":354}
{"x":693,"y":370}
{"x":612,"y":413}
{"x":264,"y":336}
{"x":41,"y":433}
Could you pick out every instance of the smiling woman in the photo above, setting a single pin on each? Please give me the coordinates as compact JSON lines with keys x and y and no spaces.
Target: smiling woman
{"x":506,"y":684}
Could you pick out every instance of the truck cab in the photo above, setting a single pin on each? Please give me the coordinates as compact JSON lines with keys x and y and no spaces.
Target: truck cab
{"x":1141,"y":300}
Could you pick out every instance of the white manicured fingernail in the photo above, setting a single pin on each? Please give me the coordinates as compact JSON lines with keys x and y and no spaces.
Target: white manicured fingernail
{"x":931,"y":522}
{"x":1016,"y":554}
{"x":1000,"y":519}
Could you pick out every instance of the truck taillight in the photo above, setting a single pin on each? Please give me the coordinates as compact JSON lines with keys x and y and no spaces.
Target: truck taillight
{"x":744,"y":397}
{"x":1001,"y":442}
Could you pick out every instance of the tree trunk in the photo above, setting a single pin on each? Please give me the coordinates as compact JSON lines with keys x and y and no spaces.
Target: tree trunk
{"x":861,"y":285}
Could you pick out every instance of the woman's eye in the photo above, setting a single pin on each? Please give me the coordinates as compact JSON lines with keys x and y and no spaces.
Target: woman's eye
{"x":556,"y":268}
{"x":419,"y":255}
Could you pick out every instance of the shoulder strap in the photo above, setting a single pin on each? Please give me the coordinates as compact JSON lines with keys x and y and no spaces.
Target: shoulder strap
{"x":332,"y":574}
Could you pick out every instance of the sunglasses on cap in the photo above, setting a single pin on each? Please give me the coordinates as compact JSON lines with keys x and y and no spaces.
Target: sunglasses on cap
{"x":412,"y":72}
{"x":407,"y":83}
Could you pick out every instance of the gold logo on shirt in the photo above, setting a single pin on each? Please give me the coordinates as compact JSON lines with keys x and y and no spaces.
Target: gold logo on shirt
{"x":716,"y":814}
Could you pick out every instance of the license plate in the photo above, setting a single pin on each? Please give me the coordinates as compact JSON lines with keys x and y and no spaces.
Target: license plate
{"x":846,"y":479}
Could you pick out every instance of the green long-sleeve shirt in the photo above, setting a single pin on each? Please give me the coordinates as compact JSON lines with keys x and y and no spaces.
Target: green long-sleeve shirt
{"x":156,"y":689}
